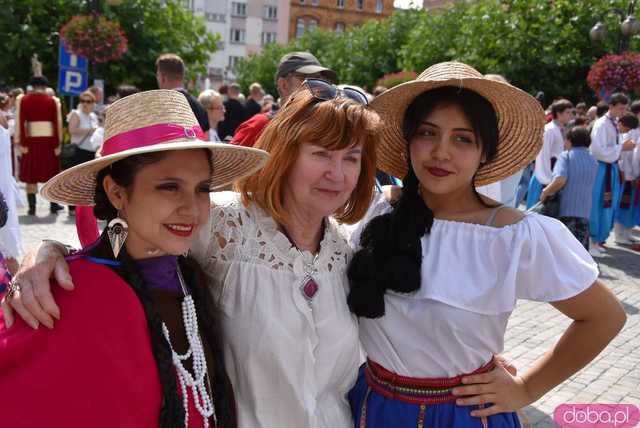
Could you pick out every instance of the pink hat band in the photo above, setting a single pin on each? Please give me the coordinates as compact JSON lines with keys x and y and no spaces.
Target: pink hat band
{"x":150,"y":136}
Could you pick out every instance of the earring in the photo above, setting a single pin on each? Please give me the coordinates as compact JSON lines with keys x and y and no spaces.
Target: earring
{"x":185,"y":254}
{"x":117,"y":230}
{"x":153,"y":252}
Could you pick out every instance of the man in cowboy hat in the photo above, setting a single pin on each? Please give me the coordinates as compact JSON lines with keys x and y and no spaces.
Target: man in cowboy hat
{"x":293,"y":69}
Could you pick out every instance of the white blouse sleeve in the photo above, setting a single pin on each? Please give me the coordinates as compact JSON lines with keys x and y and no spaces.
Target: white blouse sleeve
{"x":552,"y":265}
{"x":218,"y":240}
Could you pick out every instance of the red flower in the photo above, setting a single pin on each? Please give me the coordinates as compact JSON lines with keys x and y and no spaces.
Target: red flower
{"x":94,"y":37}
{"x":616,"y":73}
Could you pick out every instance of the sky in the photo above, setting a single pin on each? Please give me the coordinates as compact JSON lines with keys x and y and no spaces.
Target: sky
{"x":405,"y":4}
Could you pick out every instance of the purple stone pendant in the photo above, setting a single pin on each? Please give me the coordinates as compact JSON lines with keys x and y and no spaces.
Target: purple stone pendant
{"x":309,"y":288}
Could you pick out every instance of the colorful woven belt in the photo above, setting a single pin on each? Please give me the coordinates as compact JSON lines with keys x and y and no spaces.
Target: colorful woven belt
{"x":414,"y":390}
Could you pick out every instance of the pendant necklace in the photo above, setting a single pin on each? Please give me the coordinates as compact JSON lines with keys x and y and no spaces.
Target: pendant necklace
{"x":199,"y":380}
{"x":309,"y":286}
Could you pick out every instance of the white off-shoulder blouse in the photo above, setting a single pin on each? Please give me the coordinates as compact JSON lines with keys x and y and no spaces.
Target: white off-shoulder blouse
{"x":472,"y":276}
{"x":291,"y":363}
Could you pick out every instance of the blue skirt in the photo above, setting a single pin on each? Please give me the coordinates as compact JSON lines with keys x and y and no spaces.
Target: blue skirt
{"x":601,"y":218}
{"x":382,"y":412}
{"x":534,"y":192}
{"x":628,"y":217}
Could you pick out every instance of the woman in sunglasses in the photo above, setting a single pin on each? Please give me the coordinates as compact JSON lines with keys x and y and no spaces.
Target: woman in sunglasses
{"x":276,"y":259}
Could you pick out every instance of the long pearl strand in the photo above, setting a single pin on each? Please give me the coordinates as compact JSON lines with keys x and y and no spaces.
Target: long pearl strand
{"x":196,"y":382}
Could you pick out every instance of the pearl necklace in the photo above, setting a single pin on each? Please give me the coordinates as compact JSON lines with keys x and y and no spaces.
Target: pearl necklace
{"x":203,"y":401}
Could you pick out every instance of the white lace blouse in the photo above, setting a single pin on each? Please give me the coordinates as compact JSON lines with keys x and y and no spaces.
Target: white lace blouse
{"x":291,"y":363}
{"x":472,"y":276}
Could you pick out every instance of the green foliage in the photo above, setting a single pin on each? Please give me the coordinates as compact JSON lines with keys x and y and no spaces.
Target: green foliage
{"x":537,"y":45}
{"x":152,"y":27}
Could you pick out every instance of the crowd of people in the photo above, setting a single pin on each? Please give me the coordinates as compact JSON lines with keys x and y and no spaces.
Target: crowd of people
{"x":329,"y":259}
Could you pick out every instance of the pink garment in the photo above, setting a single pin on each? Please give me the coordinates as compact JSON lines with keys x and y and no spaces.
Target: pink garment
{"x":86,"y":226}
{"x":94,"y":369}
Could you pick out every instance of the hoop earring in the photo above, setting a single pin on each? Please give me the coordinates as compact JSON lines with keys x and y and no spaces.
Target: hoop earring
{"x":117,"y":230}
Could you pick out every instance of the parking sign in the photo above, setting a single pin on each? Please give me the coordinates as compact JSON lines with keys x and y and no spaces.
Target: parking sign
{"x":73,"y":76}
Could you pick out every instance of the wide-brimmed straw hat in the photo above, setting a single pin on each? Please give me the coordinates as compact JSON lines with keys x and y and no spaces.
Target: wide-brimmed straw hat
{"x":147,"y":122}
{"x":520,"y":120}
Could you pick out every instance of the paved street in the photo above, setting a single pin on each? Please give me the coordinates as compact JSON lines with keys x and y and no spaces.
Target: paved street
{"x":614,"y":377}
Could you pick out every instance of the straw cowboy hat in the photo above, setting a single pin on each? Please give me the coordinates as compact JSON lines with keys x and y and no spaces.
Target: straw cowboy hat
{"x":520,"y":120}
{"x":147,"y":122}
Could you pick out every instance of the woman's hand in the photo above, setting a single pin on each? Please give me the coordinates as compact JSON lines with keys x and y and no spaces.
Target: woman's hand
{"x":498,"y":390}
{"x":34,"y":302}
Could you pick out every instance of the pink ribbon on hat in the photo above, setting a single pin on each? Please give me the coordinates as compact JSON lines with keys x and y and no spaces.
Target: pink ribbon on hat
{"x":150,"y":136}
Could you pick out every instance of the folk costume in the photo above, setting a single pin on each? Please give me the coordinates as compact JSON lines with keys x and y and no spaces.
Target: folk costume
{"x":98,"y":367}
{"x":627,"y":212}
{"x":39,"y":135}
{"x":552,"y":146}
{"x":606,"y":190}
{"x":420,"y":342}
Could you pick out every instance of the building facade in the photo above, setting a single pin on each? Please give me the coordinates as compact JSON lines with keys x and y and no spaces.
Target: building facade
{"x":245,"y":26}
{"x":336,"y":15}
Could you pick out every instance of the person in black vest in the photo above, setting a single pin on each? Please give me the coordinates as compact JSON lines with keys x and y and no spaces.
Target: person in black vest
{"x":236,"y":113}
{"x":170,"y":75}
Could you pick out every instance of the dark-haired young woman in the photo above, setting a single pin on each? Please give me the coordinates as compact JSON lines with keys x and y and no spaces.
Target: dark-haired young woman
{"x":139,"y":345}
{"x":438,"y":273}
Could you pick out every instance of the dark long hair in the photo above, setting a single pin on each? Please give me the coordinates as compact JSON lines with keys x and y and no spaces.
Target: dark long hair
{"x":391,"y":252}
{"x":172,"y":412}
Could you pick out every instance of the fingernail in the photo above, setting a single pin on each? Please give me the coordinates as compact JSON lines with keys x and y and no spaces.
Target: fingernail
{"x":464,"y":380}
{"x":35,"y":325}
{"x":459,"y":402}
{"x":8,"y":323}
{"x":56,"y":315}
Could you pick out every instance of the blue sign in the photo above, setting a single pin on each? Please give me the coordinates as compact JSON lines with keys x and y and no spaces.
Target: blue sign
{"x":72,"y":81}
{"x":73,"y":77}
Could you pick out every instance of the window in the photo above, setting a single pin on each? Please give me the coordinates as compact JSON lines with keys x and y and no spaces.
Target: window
{"x":339,"y":27}
{"x":271,"y":12}
{"x":299,"y":27}
{"x":340,"y":4}
{"x":233,"y":61}
{"x":360,"y":4}
{"x":238,"y":9}
{"x":215,"y":17}
{"x":268,"y":38}
{"x":379,"y":6}
{"x":237,"y":35}
{"x":220,"y":45}
{"x":313,"y":24}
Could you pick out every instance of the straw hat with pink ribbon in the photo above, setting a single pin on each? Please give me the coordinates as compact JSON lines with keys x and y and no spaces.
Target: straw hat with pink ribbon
{"x":147,"y":122}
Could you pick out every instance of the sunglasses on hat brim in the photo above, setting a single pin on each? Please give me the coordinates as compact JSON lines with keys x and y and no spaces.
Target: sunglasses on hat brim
{"x":325,"y":91}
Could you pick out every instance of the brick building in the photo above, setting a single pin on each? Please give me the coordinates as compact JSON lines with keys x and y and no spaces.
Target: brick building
{"x":336,"y":15}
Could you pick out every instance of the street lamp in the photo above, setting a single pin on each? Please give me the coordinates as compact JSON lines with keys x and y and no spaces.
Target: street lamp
{"x":629,"y":27}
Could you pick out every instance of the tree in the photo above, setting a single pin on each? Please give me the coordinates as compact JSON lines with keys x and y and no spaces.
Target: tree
{"x":537,"y":45}
{"x":152,"y":27}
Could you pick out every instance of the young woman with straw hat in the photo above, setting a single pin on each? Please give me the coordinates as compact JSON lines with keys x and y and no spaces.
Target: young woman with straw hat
{"x":439,"y":272}
{"x":139,"y":345}
{"x":276,"y":256}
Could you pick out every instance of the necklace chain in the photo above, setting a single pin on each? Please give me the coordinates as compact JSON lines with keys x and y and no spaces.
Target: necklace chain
{"x":202,"y":397}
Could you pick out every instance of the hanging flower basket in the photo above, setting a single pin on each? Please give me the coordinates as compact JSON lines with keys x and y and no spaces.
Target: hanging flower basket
{"x":393,"y":79}
{"x":94,"y":37}
{"x":615,"y":73}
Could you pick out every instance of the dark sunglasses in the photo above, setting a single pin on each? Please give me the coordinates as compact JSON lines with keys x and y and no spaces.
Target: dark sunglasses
{"x":325,"y":91}
{"x":86,"y":101}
